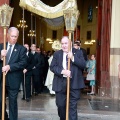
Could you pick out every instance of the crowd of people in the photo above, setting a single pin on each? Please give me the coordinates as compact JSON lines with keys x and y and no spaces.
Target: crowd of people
{"x":29,"y":66}
{"x":34,"y":72}
{"x":24,"y":64}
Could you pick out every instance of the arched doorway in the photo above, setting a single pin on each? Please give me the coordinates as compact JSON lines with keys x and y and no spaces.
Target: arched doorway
{"x":102,"y":47}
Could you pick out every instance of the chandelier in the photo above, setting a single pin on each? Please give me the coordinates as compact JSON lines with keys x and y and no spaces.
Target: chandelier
{"x":32,"y":33}
{"x":90,"y":42}
{"x":22,"y":24}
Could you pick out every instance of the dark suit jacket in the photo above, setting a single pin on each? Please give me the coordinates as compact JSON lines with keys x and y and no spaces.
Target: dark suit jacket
{"x":39,"y":64}
{"x":56,"y":67}
{"x":30,"y":64}
{"x":17,"y":62}
{"x":84,"y":53}
{"x":42,"y":64}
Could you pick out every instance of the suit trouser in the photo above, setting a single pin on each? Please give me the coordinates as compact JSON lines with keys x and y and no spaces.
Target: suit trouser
{"x":13,"y":108}
{"x":35,"y":79}
{"x":61,"y":102}
{"x":27,"y":91}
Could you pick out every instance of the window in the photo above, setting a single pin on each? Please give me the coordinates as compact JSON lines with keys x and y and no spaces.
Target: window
{"x":88,"y":51}
{"x":90,"y":13}
{"x":88,"y":35}
{"x":54,"y":34}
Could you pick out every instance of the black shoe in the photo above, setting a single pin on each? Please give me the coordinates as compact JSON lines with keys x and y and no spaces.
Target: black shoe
{"x":7,"y":119}
{"x":52,"y":95}
{"x":27,"y":99}
{"x":36,"y":94}
{"x":23,"y":98}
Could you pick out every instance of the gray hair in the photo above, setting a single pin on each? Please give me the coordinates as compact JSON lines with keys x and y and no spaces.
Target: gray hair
{"x":65,"y":37}
{"x":13,"y":28}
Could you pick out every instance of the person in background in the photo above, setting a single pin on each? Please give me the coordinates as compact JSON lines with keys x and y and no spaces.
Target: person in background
{"x":48,"y":54}
{"x":59,"y":68}
{"x":41,"y":69}
{"x":16,"y":61}
{"x":38,"y":50}
{"x":91,"y":68}
{"x":77,"y":45}
{"x":50,"y":75}
{"x":46,"y":66}
{"x":38,"y":67}
{"x":27,"y":75}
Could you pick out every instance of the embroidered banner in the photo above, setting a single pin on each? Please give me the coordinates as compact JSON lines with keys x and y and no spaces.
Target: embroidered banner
{"x":39,"y":8}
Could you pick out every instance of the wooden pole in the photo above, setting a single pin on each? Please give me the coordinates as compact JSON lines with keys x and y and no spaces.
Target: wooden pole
{"x":68,"y":81}
{"x":4,"y":80}
{"x":23,"y":28}
{"x":24,"y":87}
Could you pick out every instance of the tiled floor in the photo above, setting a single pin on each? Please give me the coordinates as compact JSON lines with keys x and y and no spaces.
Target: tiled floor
{"x":106,"y":105}
{"x":42,"y":107}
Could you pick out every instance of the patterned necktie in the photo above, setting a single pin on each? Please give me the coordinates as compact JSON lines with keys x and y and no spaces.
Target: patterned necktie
{"x":8,"y":54}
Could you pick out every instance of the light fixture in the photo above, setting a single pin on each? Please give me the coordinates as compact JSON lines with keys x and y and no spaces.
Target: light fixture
{"x":5,"y":15}
{"x":22,"y":24}
{"x":32,"y":33}
{"x":51,"y":42}
{"x":49,"y":39}
{"x":71,"y":16}
{"x":88,"y":43}
{"x":96,"y":7}
{"x":93,"y":41}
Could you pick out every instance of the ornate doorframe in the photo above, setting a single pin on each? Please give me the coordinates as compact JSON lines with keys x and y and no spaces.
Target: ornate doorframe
{"x":103,"y":47}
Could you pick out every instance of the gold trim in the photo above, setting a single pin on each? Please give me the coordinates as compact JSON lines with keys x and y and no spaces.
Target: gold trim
{"x":33,"y":9}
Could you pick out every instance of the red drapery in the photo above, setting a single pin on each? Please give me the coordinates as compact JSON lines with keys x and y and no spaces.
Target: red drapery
{"x":76,"y":33}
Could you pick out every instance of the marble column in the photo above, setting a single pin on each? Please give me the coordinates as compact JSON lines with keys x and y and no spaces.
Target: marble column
{"x":115,"y":49}
{"x":1,"y":29}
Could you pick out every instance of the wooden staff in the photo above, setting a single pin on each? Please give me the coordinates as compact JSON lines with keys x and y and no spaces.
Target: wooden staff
{"x":4,"y":80}
{"x":32,"y":90}
{"x":24,"y":87}
{"x":68,"y":81}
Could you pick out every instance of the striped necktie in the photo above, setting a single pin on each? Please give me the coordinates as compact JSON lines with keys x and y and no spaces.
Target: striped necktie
{"x":8,"y":54}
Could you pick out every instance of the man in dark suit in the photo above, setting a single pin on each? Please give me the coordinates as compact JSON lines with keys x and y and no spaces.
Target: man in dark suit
{"x":27,"y":75}
{"x":15,"y":62}
{"x":59,"y":68}
{"x":38,"y":67}
{"x":77,"y":45}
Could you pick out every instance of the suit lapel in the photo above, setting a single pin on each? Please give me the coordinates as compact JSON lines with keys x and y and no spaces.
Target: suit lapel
{"x":73,"y":51}
{"x":61,"y":57}
{"x":14,"y":52}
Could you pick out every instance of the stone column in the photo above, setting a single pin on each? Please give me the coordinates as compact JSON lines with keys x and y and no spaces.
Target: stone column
{"x":1,"y":29}
{"x":115,"y":49}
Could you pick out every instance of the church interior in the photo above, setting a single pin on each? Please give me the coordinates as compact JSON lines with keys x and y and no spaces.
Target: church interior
{"x":94,"y":28}
{"x":43,"y":30}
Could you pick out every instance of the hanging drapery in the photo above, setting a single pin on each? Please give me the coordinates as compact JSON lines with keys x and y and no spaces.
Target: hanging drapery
{"x":55,"y":23}
{"x":39,"y":8}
